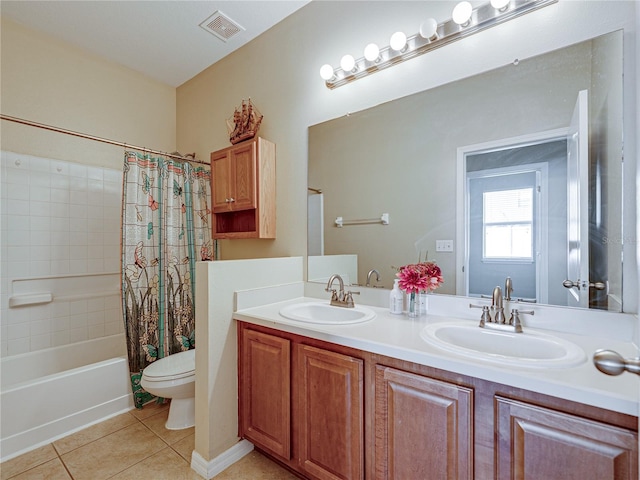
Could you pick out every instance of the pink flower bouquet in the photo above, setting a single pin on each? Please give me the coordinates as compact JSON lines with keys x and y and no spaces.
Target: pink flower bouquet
{"x":419,"y":277}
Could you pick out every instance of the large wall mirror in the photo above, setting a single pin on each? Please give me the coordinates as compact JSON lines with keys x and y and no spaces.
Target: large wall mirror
{"x":514,"y":172}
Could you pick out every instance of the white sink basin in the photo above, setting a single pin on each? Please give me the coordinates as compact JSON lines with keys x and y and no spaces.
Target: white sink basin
{"x":323,"y":312}
{"x":528,"y":349}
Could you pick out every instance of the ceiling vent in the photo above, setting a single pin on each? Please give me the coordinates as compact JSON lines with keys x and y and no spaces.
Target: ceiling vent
{"x":221,"y":26}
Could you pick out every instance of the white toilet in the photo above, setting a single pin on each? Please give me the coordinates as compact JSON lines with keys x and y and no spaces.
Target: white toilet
{"x":174,"y":377}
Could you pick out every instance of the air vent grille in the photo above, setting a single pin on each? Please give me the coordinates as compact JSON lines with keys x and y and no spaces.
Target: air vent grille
{"x":221,"y":26}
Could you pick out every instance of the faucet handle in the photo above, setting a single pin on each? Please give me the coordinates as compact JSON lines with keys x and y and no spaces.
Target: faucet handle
{"x":348,"y":298}
{"x":515,"y":318}
{"x":485,"y":317}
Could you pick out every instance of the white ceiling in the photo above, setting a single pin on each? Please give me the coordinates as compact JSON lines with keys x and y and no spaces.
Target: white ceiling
{"x":160,"y":38}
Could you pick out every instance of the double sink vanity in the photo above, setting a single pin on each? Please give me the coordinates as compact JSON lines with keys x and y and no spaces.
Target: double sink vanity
{"x":353,"y":393}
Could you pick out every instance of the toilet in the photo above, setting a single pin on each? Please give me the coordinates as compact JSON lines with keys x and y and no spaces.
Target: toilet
{"x":174,"y":377}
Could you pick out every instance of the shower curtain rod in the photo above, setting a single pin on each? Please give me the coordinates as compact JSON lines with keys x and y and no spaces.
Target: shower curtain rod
{"x":98,"y":139}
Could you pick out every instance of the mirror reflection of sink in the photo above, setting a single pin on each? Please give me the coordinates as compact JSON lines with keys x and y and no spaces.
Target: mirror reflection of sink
{"x":528,"y":349}
{"x":324,"y":313}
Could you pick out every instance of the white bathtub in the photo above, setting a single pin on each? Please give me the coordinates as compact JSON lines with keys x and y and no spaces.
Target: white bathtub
{"x":47,"y":394}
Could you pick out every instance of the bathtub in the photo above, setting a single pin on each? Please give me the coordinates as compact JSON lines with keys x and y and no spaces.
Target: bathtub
{"x":47,"y":394}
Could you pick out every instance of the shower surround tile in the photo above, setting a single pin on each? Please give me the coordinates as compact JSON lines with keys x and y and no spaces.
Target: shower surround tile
{"x":58,"y":218}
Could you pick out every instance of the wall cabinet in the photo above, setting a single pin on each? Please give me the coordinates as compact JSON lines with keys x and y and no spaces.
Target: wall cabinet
{"x":332,"y":412}
{"x":243,"y":189}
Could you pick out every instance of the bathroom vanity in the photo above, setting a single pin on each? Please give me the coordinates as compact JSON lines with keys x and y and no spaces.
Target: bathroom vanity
{"x":375,"y":400}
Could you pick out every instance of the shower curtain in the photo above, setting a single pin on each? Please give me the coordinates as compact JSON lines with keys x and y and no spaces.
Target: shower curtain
{"x":165,"y":230}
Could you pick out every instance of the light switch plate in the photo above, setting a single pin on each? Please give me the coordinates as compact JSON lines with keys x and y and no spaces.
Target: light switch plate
{"x":444,"y":245}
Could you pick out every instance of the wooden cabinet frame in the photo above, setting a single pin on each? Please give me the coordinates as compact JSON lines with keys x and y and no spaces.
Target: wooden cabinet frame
{"x":243,"y":190}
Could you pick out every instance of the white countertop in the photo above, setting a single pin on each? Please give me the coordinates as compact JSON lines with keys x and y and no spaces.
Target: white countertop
{"x":398,"y":336}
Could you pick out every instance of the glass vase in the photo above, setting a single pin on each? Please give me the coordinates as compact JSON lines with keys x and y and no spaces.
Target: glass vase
{"x":412,"y":309}
{"x":423,"y":303}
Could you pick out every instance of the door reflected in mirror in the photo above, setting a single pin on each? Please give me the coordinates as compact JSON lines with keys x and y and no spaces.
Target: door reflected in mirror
{"x":429,"y":159}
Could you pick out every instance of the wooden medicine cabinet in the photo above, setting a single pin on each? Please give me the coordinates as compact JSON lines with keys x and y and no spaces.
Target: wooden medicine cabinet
{"x":243,"y":189}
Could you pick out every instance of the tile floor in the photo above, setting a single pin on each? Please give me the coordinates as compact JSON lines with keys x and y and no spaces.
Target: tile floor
{"x":134,"y":445}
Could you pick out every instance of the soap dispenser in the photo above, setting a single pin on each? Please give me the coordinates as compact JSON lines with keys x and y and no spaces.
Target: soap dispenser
{"x":396,"y":298}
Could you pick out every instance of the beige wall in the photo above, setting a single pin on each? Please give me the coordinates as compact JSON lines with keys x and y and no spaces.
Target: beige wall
{"x":51,"y":82}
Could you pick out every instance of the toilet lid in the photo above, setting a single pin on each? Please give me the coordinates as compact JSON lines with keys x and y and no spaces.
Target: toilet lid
{"x":177,"y":365}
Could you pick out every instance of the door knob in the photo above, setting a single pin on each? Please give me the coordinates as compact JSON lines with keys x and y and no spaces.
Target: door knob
{"x":583,"y":284}
{"x":612,"y":363}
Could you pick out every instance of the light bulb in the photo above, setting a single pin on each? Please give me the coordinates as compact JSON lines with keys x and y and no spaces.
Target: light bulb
{"x":347,"y":63}
{"x":398,"y":41}
{"x":326,"y":71}
{"x":462,"y":13}
{"x":500,"y":4}
{"x":371,"y":52}
{"x":429,"y":28}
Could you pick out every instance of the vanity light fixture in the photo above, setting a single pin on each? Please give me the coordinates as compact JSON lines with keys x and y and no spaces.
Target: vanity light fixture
{"x":348,"y":63}
{"x":398,"y":41}
{"x":326,"y":72}
{"x":465,"y":21}
{"x":500,"y":4}
{"x":429,"y":29}
{"x":372,"y":52}
{"x":462,"y":13}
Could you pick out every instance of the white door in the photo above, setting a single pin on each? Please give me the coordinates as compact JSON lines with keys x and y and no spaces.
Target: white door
{"x":577,"y":204}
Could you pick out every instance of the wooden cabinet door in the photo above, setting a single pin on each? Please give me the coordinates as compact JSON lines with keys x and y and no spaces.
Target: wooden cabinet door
{"x":243,"y":161}
{"x":331,"y":414}
{"x":220,"y":181}
{"x":423,"y":427}
{"x":537,"y":443}
{"x":234,"y":178}
{"x":265,"y":391}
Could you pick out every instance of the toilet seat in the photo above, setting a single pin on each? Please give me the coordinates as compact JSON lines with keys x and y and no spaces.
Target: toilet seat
{"x":172,"y":367}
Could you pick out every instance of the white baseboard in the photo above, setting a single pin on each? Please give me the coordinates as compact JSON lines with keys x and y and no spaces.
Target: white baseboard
{"x":209,"y":469}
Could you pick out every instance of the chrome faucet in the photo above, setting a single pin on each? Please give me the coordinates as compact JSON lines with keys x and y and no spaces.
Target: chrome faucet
{"x":498,"y":322}
{"x":370,"y":274}
{"x":340,"y":298}
{"x":508,"y":289}
{"x":497,"y":306}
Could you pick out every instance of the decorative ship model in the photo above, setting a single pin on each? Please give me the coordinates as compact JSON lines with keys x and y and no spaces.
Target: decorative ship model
{"x":244,"y":123}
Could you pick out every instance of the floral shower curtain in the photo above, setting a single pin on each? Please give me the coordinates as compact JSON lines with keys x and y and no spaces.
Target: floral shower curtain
{"x":165,"y":230}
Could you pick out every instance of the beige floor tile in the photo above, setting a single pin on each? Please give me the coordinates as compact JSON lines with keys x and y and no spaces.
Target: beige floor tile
{"x":164,"y":465}
{"x":90,"y":434}
{"x":17,"y":465}
{"x":151,"y":408}
{"x":185,"y":447}
{"x":112,"y":454}
{"x":51,"y":470}
{"x":255,"y":466}
{"x":156,"y":424}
